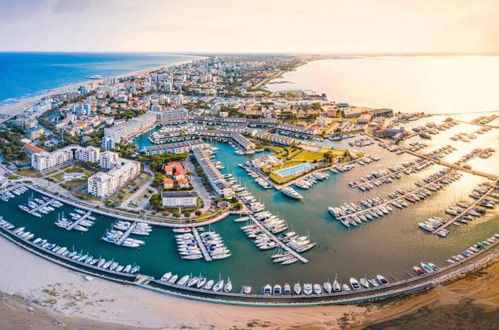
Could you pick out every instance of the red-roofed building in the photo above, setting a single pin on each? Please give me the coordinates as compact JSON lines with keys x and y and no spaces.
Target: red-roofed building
{"x":32,"y":149}
{"x":168,"y":170}
{"x":167,"y":183}
{"x":183,"y":183}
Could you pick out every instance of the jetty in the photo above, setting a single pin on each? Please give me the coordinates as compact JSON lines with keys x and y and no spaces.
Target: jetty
{"x":474,"y":204}
{"x":126,"y":234}
{"x":77,"y":222}
{"x":451,"y":172}
{"x":39,"y":207}
{"x":275,"y":239}
{"x":205,"y":253}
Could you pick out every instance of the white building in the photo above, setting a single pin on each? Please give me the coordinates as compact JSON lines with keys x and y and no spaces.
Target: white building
{"x":109,"y":160}
{"x":88,"y":154}
{"x":130,"y":127}
{"x":179,"y":199}
{"x":45,"y":161}
{"x":106,"y":184}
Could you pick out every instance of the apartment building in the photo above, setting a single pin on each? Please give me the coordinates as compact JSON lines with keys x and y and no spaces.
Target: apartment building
{"x":120,"y":173}
{"x":45,"y":161}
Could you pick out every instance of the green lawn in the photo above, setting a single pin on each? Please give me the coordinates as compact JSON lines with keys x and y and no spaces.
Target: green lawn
{"x":29,"y":172}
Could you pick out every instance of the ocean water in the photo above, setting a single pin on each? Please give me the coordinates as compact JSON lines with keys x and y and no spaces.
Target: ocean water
{"x":432,"y":84}
{"x":25,"y":75}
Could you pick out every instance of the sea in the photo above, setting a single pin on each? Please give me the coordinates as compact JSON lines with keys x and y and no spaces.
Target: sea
{"x":25,"y":75}
{"x":431,"y":84}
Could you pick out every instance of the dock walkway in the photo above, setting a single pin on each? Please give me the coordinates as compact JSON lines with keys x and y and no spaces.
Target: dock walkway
{"x":474,"y":204}
{"x":399,"y":197}
{"x":39,"y":207}
{"x":127,"y":233}
{"x":205,"y":253}
{"x":77,"y":222}
{"x":275,"y":239}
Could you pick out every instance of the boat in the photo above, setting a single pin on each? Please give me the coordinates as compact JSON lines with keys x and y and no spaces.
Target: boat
{"x":192,"y":281}
{"x":297,"y":288}
{"x":228,"y":286}
{"x":287,"y":289}
{"x":277,"y":290}
{"x":364,"y":282}
{"x":307,"y":288}
{"x":267,"y":290}
{"x":426,"y":268}
{"x":336,"y":286}
{"x":209,"y":285}
{"x":201,"y":282}
{"x":327,"y":287}
{"x":246,"y":289}
{"x":290,"y":192}
{"x":418,"y":270}
{"x":354,"y":283}
{"x":317,"y":289}
{"x":219,"y":286}
{"x":173,"y":279}
{"x":381,"y":279}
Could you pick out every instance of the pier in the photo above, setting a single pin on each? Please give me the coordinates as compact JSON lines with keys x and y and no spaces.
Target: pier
{"x":77,"y":222}
{"x":39,"y":207}
{"x":392,"y":173}
{"x":399,"y":197}
{"x":205,"y":253}
{"x":275,"y":239}
{"x":127,"y":233}
{"x":474,"y":204}
{"x":443,"y":163}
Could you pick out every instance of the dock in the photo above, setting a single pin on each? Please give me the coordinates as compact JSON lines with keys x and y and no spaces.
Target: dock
{"x":126,"y":234}
{"x":205,"y":253}
{"x":75,"y":223}
{"x":399,"y":197}
{"x":275,"y":239}
{"x":39,"y":207}
{"x":474,"y":204}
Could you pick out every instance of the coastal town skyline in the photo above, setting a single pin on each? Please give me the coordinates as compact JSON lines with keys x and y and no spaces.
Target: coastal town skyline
{"x":339,"y":27}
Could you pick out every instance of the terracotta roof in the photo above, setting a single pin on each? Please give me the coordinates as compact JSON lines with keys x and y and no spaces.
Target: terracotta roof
{"x":32,"y":148}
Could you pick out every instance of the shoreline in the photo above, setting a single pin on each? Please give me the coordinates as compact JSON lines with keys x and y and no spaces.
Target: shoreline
{"x":64,"y":296}
{"x":25,"y":102}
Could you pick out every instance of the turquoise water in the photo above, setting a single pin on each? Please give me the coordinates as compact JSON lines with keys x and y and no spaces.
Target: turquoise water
{"x":300,"y":168}
{"x":30,"y":74}
{"x":391,"y":245}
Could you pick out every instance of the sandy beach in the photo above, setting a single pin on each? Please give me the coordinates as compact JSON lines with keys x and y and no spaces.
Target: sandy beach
{"x":58,"y":296}
{"x":19,"y":106}
{"x":66,"y":293}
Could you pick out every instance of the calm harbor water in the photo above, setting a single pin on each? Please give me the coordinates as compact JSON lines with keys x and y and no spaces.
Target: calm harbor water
{"x":438,"y":84}
{"x":390,"y":245}
{"x":25,"y":75}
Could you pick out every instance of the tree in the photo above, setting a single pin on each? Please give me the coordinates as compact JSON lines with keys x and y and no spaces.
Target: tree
{"x":155,"y":201}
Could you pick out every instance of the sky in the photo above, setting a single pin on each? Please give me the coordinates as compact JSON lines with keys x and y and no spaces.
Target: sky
{"x":256,"y":26}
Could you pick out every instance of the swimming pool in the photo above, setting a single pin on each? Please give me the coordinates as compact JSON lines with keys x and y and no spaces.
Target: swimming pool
{"x":300,"y":168}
